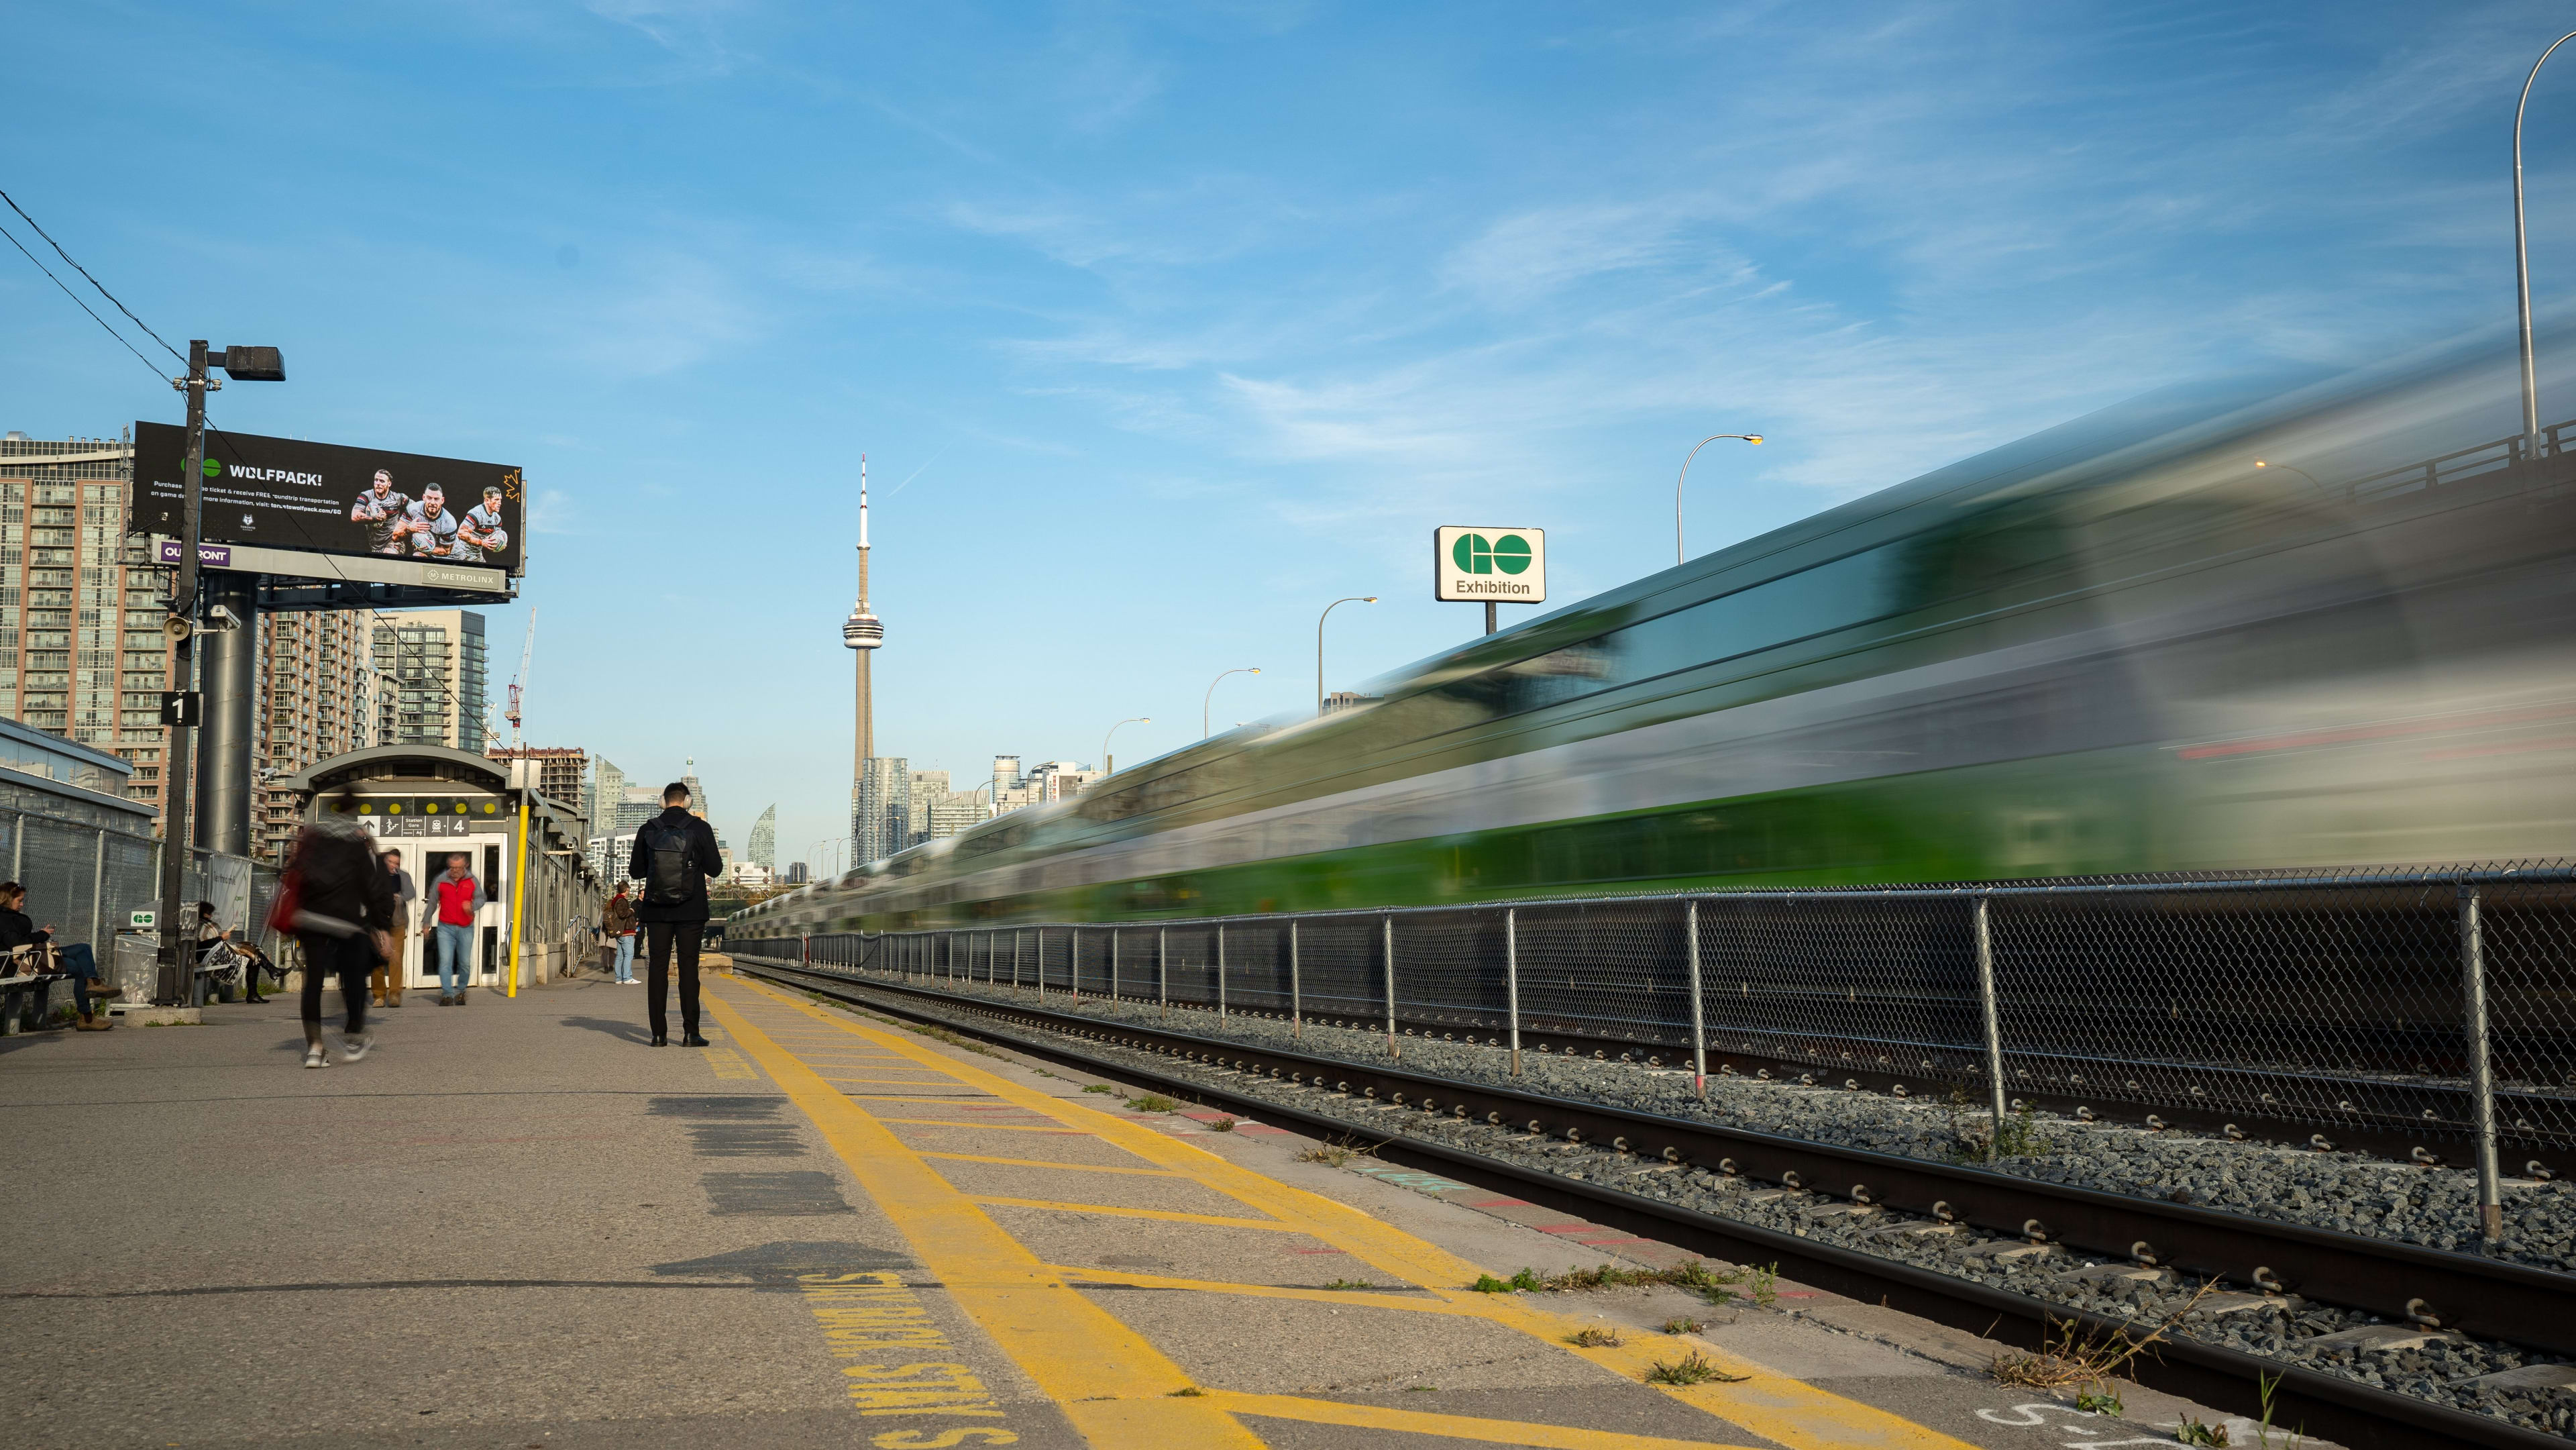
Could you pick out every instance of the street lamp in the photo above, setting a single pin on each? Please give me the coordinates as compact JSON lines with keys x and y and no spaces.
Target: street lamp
{"x":1752,"y":438}
{"x":182,"y":708}
{"x":1109,"y":766}
{"x":1319,"y":642}
{"x":1211,"y":696}
{"x":2522,"y":262}
{"x":2301,"y":472}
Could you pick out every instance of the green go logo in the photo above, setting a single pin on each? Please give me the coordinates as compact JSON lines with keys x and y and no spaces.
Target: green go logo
{"x":213,"y":468}
{"x":1475,"y":555}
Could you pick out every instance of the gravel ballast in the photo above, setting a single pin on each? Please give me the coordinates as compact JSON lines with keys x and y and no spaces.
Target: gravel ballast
{"x":2346,"y":1192}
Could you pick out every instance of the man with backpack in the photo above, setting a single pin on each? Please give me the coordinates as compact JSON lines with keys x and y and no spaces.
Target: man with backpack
{"x":675,"y":854}
{"x":340,"y":905}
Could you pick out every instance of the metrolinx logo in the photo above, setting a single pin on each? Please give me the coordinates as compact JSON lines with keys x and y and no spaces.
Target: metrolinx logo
{"x":1474,"y":555}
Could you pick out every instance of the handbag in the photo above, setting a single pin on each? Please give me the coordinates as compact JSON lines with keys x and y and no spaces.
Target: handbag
{"x":287,"y":903}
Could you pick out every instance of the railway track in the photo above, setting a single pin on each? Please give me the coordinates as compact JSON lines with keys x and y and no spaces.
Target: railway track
{"x":2400,"y":1283}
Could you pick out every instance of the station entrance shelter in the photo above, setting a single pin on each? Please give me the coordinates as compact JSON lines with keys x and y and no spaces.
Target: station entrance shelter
{"x":430,"y":803}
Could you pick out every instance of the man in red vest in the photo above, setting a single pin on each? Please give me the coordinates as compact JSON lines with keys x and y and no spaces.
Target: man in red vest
{"x":455,"y":903}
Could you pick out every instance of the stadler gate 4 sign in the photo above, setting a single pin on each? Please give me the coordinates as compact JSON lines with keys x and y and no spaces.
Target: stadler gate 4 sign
{"x":1497,"y":566}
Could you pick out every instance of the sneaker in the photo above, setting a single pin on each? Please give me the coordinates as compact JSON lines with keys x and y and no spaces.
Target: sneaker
{"x":396,"y":1002}
{"x":353,"y":1048}
{"x":313,"y":1058}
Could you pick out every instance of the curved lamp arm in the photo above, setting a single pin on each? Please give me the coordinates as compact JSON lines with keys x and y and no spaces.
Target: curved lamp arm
{"x":1319,"y":641}
{"x":1211,"y":696}
{"x":1753,"y":438}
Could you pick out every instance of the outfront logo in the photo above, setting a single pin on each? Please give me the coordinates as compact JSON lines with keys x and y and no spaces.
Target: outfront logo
{"x":1478,"y":565}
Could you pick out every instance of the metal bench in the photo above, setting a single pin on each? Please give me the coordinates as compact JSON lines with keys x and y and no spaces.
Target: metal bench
{"x":25,"y":997}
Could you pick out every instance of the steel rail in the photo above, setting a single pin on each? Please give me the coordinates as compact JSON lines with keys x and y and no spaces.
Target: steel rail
{"x":2398,"y":1281}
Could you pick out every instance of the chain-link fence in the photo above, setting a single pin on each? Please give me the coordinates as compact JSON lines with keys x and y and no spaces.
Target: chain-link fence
{"x":2391,"y":1007}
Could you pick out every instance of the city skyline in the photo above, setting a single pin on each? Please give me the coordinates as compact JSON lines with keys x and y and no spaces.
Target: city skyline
{"x":1160,"y":333}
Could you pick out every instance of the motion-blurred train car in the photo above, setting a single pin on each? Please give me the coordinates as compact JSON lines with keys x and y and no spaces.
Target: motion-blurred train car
{"x":2213,"y":629}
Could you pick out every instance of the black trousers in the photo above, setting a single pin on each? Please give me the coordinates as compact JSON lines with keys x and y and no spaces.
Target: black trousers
{"x":658,"y":939}
{"x":350,"y":958}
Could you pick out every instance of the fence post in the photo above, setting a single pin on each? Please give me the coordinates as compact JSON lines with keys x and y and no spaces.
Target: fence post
{"x":1220,"y":971}
{"x":1163,"y":970}
{"x":1512,"y":979}
{"x":1016,"y":934}
{"x":1113,"y":964}
{"x":1077,"y":964}
{"x":1699,"y":1029}
{"x":1392,"y":1050}
{"x":98,"y":909}
{"x":1296,"y":997}
{"x":1994,"y":1025}
{"x":2473,"y":995}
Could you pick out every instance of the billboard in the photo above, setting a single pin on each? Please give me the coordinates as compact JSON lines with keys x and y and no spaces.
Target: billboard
{"x":1482,"y":565}
{"x":328,"y":498}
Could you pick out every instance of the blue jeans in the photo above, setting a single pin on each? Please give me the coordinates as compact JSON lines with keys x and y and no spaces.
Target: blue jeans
{"x":626,"y":958}
{"x":455,"y":954}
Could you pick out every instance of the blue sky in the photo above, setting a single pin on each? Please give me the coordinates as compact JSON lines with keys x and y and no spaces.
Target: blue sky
{"x":1164,"y":325}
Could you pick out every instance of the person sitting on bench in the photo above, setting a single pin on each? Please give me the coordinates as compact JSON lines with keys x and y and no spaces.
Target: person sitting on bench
{"x":17,"y":930}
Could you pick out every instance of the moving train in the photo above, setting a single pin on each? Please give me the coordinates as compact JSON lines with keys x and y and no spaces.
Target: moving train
{"x":2297,"y":623}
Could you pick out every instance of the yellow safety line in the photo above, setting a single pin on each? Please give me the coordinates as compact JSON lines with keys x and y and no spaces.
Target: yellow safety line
{"x":1043,"y":1163}
{"x":1111,"y":1382}
{"x":1265,"y":1291}
{"x":1454,"y":1427}
{"x":1166,"y":1215}
{"x":1767,"y":1403}
{"x":885,"y":1081}
{"x":899,"y":1098}
{"x":969,"y":1123}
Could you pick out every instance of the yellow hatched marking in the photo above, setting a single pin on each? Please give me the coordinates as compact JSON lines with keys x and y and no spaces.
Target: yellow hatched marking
{"x":899,"y":1098}
{"x":1454,"y":1427}
{"x":890,"y":1081}
{"x":1165,"y":1214}
{"x":729,"y":1065}
{"x":1042,"y":1163}
{"x":1114,"y":1385}
{"x":971,"y":1123}
{"x":1768,"y":1403}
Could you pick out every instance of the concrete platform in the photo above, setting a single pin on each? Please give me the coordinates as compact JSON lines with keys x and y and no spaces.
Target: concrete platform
{"x":516,"y":1225}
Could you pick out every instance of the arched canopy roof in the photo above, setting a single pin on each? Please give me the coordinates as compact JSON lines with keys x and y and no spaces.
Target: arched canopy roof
{"x":400,"y":762}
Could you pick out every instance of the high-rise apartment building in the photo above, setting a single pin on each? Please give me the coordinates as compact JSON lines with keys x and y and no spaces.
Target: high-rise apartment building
{"x":433,"y":671}
{"x":607,"y":793}
{"x":559,"y":768}
{"x":764,"y":841}
{"x":81,"y":648}
{"x":317,"y":688}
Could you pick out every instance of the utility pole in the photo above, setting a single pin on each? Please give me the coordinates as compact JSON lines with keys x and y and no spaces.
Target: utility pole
{"x":177,"y":981}
{"x":249,"y":365}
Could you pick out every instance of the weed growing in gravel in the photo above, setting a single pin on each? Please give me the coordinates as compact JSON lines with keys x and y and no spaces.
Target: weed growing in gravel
{"x":1593,"y":1336}
{"x":2193,"y":1432}
{"x":1151,"y":1103}
{"x":1190,"y":1393}
{"x":2105,"y":1401}
{"x":1691,"y":1369}
{"x":1338,"y":1152}
{"x":1100,"y":1087}
{"x":1678,"y":1325}
{"x":1350,"y":1284}
{"x":1222,"y":1125}
{"x":2017,"y":1136}
{"x":2088,"y":1363}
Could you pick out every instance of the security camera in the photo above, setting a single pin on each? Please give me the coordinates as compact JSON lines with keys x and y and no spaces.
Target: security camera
{"x":220,"y":619}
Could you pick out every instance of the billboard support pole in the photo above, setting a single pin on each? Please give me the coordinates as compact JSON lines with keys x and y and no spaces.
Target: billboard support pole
{"x":175,"y":983}
{"x":230,"y":666}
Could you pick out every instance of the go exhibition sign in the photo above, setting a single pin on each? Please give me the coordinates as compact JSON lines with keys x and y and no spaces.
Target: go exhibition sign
{"x":1484,"y":565}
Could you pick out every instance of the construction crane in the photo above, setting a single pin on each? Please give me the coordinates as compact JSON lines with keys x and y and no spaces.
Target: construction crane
{"x":527,"y":652}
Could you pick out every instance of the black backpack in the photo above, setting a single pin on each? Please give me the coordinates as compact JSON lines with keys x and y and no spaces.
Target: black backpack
{"x":672,"y":872}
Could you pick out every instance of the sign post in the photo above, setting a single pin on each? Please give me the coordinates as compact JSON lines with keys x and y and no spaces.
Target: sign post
{"x":1488,"y":566}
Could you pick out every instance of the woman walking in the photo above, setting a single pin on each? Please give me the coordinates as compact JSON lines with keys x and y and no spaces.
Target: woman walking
{"x":344,"y":907}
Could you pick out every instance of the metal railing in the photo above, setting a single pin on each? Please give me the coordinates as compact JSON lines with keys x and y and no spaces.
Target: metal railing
{"x":2407,"y":1009}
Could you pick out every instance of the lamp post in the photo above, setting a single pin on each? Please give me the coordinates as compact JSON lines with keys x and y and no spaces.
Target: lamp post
{"x":2301,"y":472}
{"x":1752,"y":438}
{"x":1109,"y":766}
{"x":183,"y":709}
{"x":2522,"y":262}
{"x":1204,"y":704}
{"x":1319,"y":641}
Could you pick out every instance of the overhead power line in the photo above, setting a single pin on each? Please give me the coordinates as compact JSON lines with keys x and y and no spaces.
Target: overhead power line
{"x":93,"y":281}
{"x":83,"y":306}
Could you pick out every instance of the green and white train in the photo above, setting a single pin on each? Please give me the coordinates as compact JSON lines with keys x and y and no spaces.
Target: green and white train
{"x":2117,"y":646}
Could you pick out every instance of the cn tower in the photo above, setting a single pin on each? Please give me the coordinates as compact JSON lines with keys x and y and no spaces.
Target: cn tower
{"x":864,"y":633}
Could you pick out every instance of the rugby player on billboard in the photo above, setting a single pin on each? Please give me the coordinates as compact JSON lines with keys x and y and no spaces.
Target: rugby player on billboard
{"x":381,"y":510}
{"x":482,"y":537}
{"x":429,"y":527}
